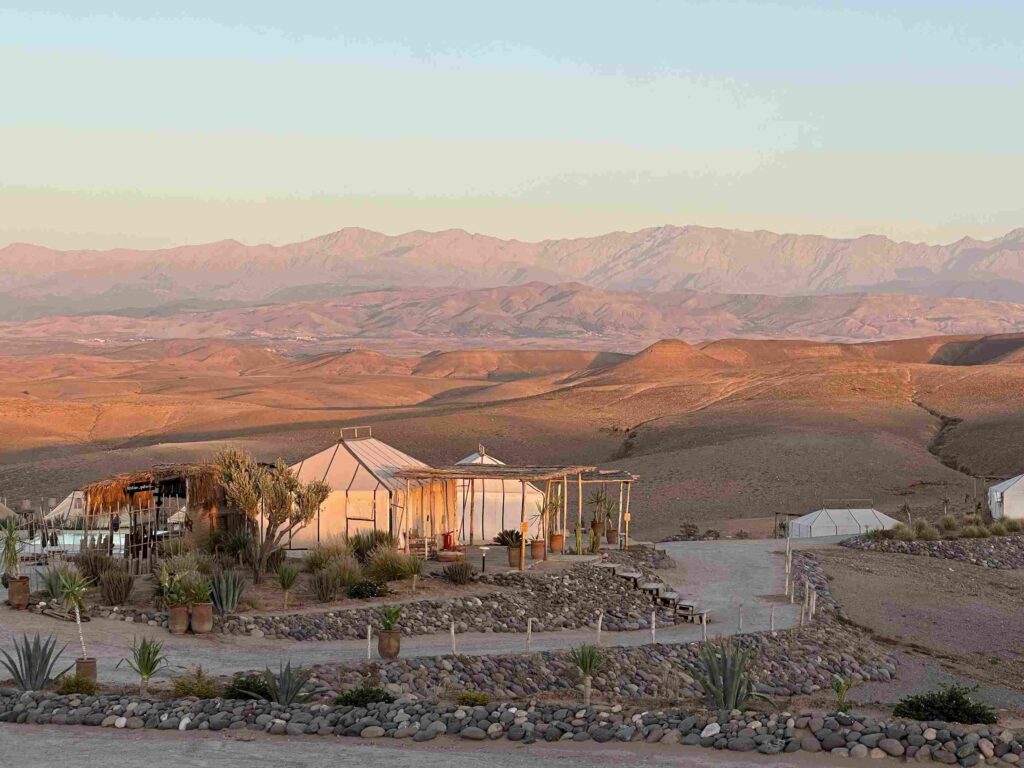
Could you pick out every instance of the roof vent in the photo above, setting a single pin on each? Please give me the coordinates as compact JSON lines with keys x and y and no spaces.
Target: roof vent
{"x":355,"y":433}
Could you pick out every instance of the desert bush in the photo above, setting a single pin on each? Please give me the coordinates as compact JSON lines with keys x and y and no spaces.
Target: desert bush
{"x":146,"y":660}
{"x":722,"y":673}
{"x":997,"y":529}
{"x":473,"y":699}
{"x":413,"y":569}
{"x":325,"y":585}
{"x":972,"y":519}
{"x":52,"y":579}
{"x":364,"y":590}
{"x":238,"y":543}
{"x":459,"y":572}
{"x":326,"y":552}
{"x":362,"y":544}
{"x":904,"y":532}
{"x":287,"y":575}
{"x":970,"y":532}
{"x":189,"y":561}
{"x":947,"y":523}
{"x":689,"y":531}
{"x":173,"y":548}
{"x":116,"y":587}
{"x":77,"y":684}
{"x":951,"y":703}
{"x":928,"y":532}
{"x":226,"y":590}
{"x":360,"y":697}
{"x":983,"y":532}
{"x":93,"y":564}
{"x":711,"y":534}
{"x":251,"y":686}
{"x":1012,"y":526}
{"x":386,"y":564}
{"x":742,"y":534}
{"x":196,"y":683}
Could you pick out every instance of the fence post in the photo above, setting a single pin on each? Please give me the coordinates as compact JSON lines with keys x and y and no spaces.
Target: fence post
{"x":369,"y":637}
{"x":739,"y":622}
{"x":771,"y":619}
{"x":453,"y":638}
{"x":654,"y":616}
{"x":600,"y":620}
{"x":529,"y":635}
{"x":704,"y":625}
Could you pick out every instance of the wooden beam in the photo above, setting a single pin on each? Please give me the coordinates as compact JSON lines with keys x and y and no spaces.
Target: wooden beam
{"x":522,"y":527}
{"x":565,"y":510}
{"x":579,"y":510}
{"x":544,"y":519}
{"x":629,"y":487}
{"x":472,"y":506}
{"x":407,"y":513}
{"x":618,"y":528}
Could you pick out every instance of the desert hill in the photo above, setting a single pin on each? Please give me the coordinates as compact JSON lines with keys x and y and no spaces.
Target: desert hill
{"x":37,"y":281}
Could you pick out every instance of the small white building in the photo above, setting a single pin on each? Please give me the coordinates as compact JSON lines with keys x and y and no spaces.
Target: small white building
{"x":839,"y":522}
{"x":1006,"y":499}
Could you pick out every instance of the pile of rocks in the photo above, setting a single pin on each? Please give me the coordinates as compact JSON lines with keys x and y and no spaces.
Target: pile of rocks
{"x":1006,"y":552}
{"x":409,"y":717}
{"x":569,"y":599}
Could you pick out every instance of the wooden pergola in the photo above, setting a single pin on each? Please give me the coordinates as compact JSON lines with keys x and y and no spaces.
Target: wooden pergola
{"x":553,"y":476}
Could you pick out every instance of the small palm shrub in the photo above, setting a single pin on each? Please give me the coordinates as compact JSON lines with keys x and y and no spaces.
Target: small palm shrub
{"x":997,"y":529}
{"x":386,"y":564}
{"x":722,"y":673}
{"x":196,"y":683}
{"x":841,"y":685}
{"x":364,"y":590}
{"x":93,"y":564}
{"x":362,"y":544}
{"x":509,"y":538}
{"x":146,"y":660}
{"x":360,"y":697}
{"x":252,"y":686}
{"x":226,"y":590}
{"x":77,"y":684}
{"x":951,"y":703}
{"x":588,"y":661}
{"x":1012,"y":526}
{"x":947,"y":523}
{"x":33,"y":662}
{"x":286,"y":686}
{"x":237,"y":544}
{"x":413,"y":569}
{"x":52,"y":579}
{"x":287,"y":574}
{"x":459,"y":572}
{"x":116,"y":587}
{"x":473,"y":699}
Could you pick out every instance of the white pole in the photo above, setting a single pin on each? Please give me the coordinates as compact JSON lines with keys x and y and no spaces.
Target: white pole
{"x":654,"y":616}
{"x":369,"y":637}
{"x":600,"y":620}
{"x":529,"y":635}
{"x":704,"y":625}
{"x":739,"y":622}
{"x":453,"y":638}
{"x":771,"y":619}
{"x":803,"y":610}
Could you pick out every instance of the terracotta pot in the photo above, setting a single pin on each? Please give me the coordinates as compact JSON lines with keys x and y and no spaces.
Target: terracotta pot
{"x":513,"y":557}
{"x":538,"y":549}
{"x":611,"y":536}
{"x":597,"y":526}
{"x":177,"y":619}
{"x":202,"y":618}
{"x":17,"y":592}
{"x":557,"y":542}
{"x":389,"y":643}
{"x":86,"y":668}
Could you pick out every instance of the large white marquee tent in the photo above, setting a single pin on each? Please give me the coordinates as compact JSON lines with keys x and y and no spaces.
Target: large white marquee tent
{"x":839,"y":522}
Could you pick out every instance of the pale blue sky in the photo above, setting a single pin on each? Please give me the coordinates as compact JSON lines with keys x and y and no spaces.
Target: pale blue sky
{"x":125,"y":124}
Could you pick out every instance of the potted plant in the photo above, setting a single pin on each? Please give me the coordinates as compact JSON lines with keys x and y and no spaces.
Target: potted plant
{"x":512,"y":539}
{"x":177,"y":609}
{"x":200,"y":606}
{"x":73,"y":588}
{"x":600,"y":502}
{"x":10,"y":555}
{"x":538,"y":548}
{"x":389,"y":641}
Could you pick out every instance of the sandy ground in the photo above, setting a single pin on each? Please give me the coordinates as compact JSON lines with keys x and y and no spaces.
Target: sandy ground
{"x":48,"y":746}
{"x":949,"y":620}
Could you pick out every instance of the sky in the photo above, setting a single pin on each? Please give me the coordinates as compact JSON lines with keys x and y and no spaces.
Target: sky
{"x":131,"y":124}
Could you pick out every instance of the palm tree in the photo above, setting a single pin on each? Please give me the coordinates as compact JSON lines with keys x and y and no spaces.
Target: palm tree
{"x":73,"y":588}
{"x":945,"y":505}
{"x":588,"y":661}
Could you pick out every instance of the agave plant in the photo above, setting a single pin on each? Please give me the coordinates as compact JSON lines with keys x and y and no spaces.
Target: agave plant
{"x":509,"y":538}
{"x":588,"y":661}
{"x":287,"y":574}
{"x":722,"y":673}
{"x":32,"y":665}
{"x":285,"y":687}
{"x":389,"y":616}
{"x":228,"y":587}
{"x":146,"y":660}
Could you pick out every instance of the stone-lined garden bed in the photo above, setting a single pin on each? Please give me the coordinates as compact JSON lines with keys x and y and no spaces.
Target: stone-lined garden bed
{"x":408,"y":718}
{"x":1005,"y":552}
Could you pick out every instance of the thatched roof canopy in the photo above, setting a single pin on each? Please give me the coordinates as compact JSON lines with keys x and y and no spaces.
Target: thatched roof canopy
{"x":135,"y":490}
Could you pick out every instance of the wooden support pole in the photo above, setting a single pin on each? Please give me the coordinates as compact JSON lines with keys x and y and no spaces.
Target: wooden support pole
{"x":629,"y":488}
{"x":453,"y":638}
{"x":579,"y":512}
{"x":565,"y":510}
{"x":704,"y":625}
{"x":529,"y":635}
{"x":739,"y":617}
{"x":472,"y":507}
{"x":544,"y":519}
{"x":408,"y":512}
{"x":654,"y":631}
{"x":618,"y":527}
{"x":600,"y":621}
{"x":522,"y":527}
{"x":771,"y":619}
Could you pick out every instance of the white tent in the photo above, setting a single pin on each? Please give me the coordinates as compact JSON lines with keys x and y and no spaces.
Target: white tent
{"x":1006,"y":499}
{"x":73,"y":507}
{"x":496,"y":504}
{"x":839,"y":522}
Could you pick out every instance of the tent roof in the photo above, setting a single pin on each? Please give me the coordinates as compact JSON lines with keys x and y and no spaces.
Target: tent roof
{"x":477,"y":458}
{"x":1006,"y":484}
{"x":5,"y":511}
{"x":66,"y":507}
{"x":491,"y":472}
{"x":381,"y":460}
{"x":841,"y":516}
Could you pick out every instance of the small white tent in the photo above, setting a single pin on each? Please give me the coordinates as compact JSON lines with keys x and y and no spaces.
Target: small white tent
{"x":1006,"y":499}
{"x":495,"y":504}
{"x":72,"y":508}
{"x":839,"y":522}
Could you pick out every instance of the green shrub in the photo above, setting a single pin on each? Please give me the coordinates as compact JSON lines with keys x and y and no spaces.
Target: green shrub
{"x":1013,"y":526}
{"x":226,"y":591}
{"x":33,"y":663}
{"x":173,"y":548}
{"x":413,"y":569}
{"x":364,"y":590}
{"x":116,"y":587}
{"x":928,"y":533}
{"x":474,"y":699}
{"x":196,"y":683}
{"x":723,"y":674}
{"x":325,"y":585}
{"x":53,"y":578}
{"x":362,"y":544}
{"x":326,"y":552}
{"x":459,"y":572}
{"x":969,"y":532}
{"x":80,"y":684}
{"x":947,"y":523}
{"x":360,"y":697}
{"x":997,"y":529}
{"x":904,"y":533}
{"x":287,"y":575}
{"x":238,"y":543}
{"x":92,"y":564}
{"x":951,"y":703}
{"x":509,"y":538}
{"x":386,"y":564}
{"x":972,"y":519}
{"x":251,"y":686}
{"x":983,"y":532}
{"x":287,"y":685}
{"x":389,"y":616}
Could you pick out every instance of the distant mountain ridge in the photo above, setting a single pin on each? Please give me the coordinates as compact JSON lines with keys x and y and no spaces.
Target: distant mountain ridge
{"x":37,"y":281}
